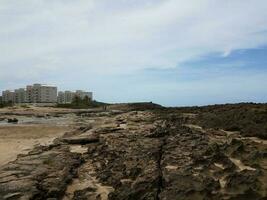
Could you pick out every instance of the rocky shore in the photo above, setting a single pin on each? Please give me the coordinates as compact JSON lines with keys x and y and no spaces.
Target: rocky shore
{"x":140,"y":153}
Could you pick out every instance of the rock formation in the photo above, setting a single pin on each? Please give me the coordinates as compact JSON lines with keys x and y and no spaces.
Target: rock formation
{"x":159,"y":154}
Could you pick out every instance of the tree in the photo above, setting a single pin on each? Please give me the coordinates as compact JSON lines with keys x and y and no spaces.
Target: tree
{"x":86,"y":100}
{"x":76,"y":100}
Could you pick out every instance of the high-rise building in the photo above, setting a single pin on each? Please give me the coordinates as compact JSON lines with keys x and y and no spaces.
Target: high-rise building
{"x":20,"y":95}
{"x":48,"y":94}
{"x":82,"y":94}
{"x":65,"y":97}
{"x":61,"y":97}
{"x":43,"y":93}
{"x":68,"y":96}
{"x":38,"y":93}
{"x":29,"y":94}
{"x":8,"y":96}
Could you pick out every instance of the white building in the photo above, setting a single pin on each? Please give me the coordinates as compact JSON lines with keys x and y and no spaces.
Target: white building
{"x":17,"y":96}
{"x":82,"y":94}
{"x":8,"y":96}
{"x":38,"y":93}
{"x":48,"y":94}
{"x":29,"y":94}
{"x":68,"y":96}
{"x":61,"y":97}
{"x":20,"y":95}
{"x":65,"y":97}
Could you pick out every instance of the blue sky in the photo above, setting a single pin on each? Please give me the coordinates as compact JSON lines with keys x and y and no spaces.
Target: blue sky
{"x":172,"y":52}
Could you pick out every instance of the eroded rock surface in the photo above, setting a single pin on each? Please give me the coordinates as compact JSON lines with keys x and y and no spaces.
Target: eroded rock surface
{"x":43,"y":173}
{"x":148,"y":154}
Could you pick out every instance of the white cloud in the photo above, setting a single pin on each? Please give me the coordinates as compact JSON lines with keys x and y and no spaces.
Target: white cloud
{"x":100,"y":36}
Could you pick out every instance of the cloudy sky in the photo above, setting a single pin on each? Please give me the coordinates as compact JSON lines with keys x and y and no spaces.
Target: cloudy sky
{"x":172,"y":52}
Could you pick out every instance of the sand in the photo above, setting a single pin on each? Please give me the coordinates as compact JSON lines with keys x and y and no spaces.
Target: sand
{"x":20,"y":139}
{"x":30,"y":131}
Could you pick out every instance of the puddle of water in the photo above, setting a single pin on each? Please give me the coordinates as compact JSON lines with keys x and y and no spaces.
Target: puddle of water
{"x":64,"y":120}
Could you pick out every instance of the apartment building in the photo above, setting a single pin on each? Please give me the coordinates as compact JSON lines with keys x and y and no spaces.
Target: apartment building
{"x":38,"y":93}
{"x":61,"y":97}
{"x":67,"y":96}
{"x":29,"y":94}
{"x":8,"y":96}
{"x":82,"y":94}
{"x":17,"y":96}
{"x":48,"y":94}
{"x":20,"y":95}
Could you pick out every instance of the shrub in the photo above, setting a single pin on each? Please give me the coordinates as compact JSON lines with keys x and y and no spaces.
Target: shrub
{"x":79,"y":103}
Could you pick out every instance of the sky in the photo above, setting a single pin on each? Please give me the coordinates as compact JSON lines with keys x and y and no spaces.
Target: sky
{"x":171,"y":52}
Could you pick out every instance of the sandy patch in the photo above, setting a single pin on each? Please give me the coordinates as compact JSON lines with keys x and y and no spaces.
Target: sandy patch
{"x":20,"y":139}
{"x":171,"y":167}
{"x":34,"y":110}
{"x":86,"y":179}
{"x":240,"y":165}
{"x":78,"y":149}
{"x":219,"y":165}
{"x":196,"y":127}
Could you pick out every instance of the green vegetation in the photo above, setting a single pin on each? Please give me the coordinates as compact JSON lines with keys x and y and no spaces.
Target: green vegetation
{"x":25,"y":106}
{"x":9,"y":104}
{"x":79,"y":103}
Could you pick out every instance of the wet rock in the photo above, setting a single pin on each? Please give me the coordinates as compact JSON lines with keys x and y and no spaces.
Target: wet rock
{"x":12,"y":120}
{"x":2,"y":118}
{"x":81,"y":139}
